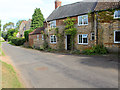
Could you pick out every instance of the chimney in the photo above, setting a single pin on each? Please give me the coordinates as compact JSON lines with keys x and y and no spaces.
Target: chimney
{"x":57,"y":3}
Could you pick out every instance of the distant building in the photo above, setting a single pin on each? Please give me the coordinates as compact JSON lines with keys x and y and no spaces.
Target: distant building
{"x":25,"y":25}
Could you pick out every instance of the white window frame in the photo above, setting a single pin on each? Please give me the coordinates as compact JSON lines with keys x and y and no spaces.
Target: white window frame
{"x":52,"y":24}
{"x":114,"y":36}
{"x":53,"y":40}
{"x":82,"y":20}
{"x":37,"y":37}
{"x":116,"y":11}
{"x":82,"y":39}
{"x":42,"y":37}
{"x":92,"y":36}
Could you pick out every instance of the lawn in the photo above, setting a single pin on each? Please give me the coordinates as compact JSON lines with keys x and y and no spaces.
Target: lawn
{"x":9,"y":77}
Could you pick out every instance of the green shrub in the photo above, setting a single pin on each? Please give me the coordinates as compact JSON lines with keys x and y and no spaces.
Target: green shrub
{"x":98,"y":49}
{"x":9,"y":38}
{"x":26,"y":34}
{"x":17,"y":41}
{"x":45,"y":45}
{"x":75,"y":52}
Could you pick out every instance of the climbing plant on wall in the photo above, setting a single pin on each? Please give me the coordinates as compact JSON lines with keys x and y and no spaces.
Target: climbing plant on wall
{"x":70,"y":30}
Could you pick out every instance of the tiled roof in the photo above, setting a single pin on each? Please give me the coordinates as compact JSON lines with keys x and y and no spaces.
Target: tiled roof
{"x":37,"y":31}
{"x":107,"y":5}
{"x":80,"y":8}
{"x":72,"y":10}
{"x":24,"y":22}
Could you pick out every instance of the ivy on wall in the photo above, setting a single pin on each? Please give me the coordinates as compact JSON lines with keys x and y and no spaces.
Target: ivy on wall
{"x":70,"y":30}
{"x":107,"y":16}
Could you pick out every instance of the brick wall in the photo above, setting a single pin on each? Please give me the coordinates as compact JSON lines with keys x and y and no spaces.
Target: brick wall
{"x":33,"y":41}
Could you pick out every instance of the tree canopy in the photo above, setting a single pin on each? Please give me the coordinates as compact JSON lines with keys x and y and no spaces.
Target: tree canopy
{"x":8,"y":25}
{"x":37,"y":19}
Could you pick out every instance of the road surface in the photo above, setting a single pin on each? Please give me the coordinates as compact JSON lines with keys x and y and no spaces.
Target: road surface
{"x":50,"y":70}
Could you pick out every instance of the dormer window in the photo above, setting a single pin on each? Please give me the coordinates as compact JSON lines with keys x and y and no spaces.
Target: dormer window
{"x":117,"y":14}
{"x":83,"y":20}
{"x":53,"y":24}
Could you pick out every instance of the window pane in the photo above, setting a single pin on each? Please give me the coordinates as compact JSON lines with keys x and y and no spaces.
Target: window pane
{"x":85,"y":40}
{"x":53,"y":24}
{"x":93,"y":36}
{"x":54,"y":38}
{"x":85,"y":20}
{"x":119,"y":13}
{"x":51,"y":38}
{"x":80,"y":20}
{"x":117,"y":36}
{"x":84,"y":35}
{"x":80,"y":38}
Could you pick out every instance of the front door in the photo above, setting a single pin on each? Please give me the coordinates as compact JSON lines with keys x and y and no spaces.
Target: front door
{"x":68,"y":42}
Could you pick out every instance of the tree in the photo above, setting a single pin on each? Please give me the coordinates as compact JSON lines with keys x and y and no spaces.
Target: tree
{"x":37,"y":19}
{"x":8,"y":26}
{"x":0,"y":25}
{"x":10,"y":32}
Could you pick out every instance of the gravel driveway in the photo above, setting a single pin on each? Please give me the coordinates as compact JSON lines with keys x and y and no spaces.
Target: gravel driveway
{"x":49,"y":70}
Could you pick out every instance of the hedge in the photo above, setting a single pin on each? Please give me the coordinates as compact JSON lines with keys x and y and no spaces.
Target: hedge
{"x":26,"y":34}
{"x":17,"y":41}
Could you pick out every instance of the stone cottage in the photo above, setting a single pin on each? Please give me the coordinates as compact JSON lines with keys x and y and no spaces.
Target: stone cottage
{"x":96,"y":23}
{"x":25,"y":25}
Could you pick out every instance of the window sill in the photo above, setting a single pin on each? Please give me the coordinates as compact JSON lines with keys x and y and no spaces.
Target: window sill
{"x":116,"y":17}
{"x":53,"y":43}
{"x":82,"y":25}
{"x":116,"y":42}
{"x":82,"y":44}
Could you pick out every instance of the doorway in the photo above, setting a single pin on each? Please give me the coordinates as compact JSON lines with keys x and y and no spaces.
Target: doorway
{"x":68,"y":47}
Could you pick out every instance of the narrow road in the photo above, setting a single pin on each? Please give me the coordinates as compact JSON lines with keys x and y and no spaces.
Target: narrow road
{"x":49,"y":70}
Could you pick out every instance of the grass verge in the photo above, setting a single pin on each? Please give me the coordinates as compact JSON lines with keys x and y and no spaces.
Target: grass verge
{"x":9,"y":77}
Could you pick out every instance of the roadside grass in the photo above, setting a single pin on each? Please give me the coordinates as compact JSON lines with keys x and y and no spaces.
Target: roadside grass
{"x":11,"y":43}
{"x":1,"y":52}
{"x":9,"y":77}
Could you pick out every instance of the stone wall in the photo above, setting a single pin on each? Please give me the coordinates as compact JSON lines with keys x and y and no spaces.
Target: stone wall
{"x":85,"y":29}
{"x":106,"y":35}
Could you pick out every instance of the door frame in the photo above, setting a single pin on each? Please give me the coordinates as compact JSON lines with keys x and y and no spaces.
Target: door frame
{"x":66,"y":43}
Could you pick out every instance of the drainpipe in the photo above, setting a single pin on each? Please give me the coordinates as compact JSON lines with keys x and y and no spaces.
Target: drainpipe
{"x":96,"y":28}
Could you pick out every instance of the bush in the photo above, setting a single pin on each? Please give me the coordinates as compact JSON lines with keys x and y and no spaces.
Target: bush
{"x":45,"y":45}
{"x":98,"y":49}
{"x":75,"y":52}
{"x":17,"y":41}
{"x":10,"y":32}
{"x":26,"y":34}
{"x":9,"y":38}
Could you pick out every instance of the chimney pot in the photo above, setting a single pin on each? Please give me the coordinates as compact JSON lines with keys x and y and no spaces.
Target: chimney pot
{"x":57,"y":3}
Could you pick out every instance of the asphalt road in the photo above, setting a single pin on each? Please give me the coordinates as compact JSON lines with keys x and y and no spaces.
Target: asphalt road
{"x":49,"y":70}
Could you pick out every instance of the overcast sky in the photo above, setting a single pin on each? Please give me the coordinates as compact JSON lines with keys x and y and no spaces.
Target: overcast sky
{"x":14,"y":10}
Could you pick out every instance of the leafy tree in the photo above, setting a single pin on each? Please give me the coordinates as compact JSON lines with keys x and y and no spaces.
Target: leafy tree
{"x":37,"y":19}
{"x":10,"y":32}
{"x":8,"y":26}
